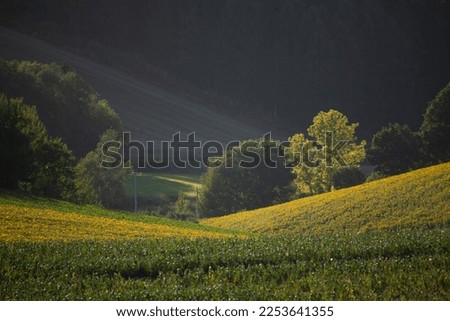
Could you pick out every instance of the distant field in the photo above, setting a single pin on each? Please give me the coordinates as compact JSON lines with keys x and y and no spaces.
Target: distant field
{"x":157,"y":185}
{"x":38,"y":220}
{"x":416,"y":199}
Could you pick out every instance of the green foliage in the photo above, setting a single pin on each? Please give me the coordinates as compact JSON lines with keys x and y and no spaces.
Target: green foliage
{"x":15,"y":144}
{"x":375,"y":176}
{"x":100,"y":185}
{"x":36,"y":162}
{"x":231,"y":188}
{"x":184,"y":205}
{"x":435,"y":128}
{"x":314,"y":167}
{"x":347,"y":176}
{"x":53,"y":171}
{"x":68,"y":107}
{"x":395,"y":149}
{"x":404,"y":265}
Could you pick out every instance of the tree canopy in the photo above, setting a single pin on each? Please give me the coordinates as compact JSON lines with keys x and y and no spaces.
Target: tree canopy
{"x":29,"y":158}
{"x":67,"y":106}
{"x":435,"y":129}
{"x":332,"y":146}
{"x":232,"y":187}
{"x":100,"y":185}
{"x":395,"y":149}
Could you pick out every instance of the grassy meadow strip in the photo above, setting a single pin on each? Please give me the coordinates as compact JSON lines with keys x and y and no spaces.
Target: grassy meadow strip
{"x":154,"y":185}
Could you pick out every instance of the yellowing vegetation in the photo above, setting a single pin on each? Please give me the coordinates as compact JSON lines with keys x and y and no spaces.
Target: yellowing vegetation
{"x":418,"y":198}
{"x":32,"y":224}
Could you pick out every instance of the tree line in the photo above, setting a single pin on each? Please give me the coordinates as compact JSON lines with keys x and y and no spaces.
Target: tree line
{"x":52,"y":128}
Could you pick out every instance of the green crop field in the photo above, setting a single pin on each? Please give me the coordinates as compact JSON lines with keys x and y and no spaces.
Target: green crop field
{"x":408,"y":265}
{"x":52,"y":250}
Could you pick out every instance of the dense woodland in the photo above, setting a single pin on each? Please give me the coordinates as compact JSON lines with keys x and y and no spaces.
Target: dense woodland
{"x":52,"y":127}
{"x":376,"y":61}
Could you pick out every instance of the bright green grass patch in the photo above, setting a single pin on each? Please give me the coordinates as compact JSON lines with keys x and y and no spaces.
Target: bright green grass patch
{"x":158,"y":185}
{"x":416,"y":199}
{"x":405,"y":265}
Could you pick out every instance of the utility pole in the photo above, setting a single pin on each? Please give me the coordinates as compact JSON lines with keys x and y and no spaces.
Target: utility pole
{"x":196,"y":201}
{"x":135,"y":193}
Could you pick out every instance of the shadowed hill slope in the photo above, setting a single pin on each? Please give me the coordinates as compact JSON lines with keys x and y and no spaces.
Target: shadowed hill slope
{"x":147,"y":111}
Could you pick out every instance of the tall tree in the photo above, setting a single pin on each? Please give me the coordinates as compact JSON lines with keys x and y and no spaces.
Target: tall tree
{"x":435,"y":129}
{"x":35,"y":162}
{"x":15,"y":145}
{"x":245,"y":180}
{"x":395,"y":149}
{"x":101,"y":185}
{"x":331,"y":147}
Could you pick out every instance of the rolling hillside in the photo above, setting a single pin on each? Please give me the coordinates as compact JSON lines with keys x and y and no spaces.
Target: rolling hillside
{"x":39,"y":219}
{"x":415,"y":199}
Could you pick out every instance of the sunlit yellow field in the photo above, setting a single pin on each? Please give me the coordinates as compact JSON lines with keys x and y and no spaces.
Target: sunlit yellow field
{"x":20,"y":223}
{"x":418,"y":198}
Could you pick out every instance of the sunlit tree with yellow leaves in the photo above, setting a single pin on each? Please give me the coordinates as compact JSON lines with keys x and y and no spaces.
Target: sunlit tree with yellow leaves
{"x":331,"y":146}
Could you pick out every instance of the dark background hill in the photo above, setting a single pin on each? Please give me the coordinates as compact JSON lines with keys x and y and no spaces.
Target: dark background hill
{"x":275,"y":62}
